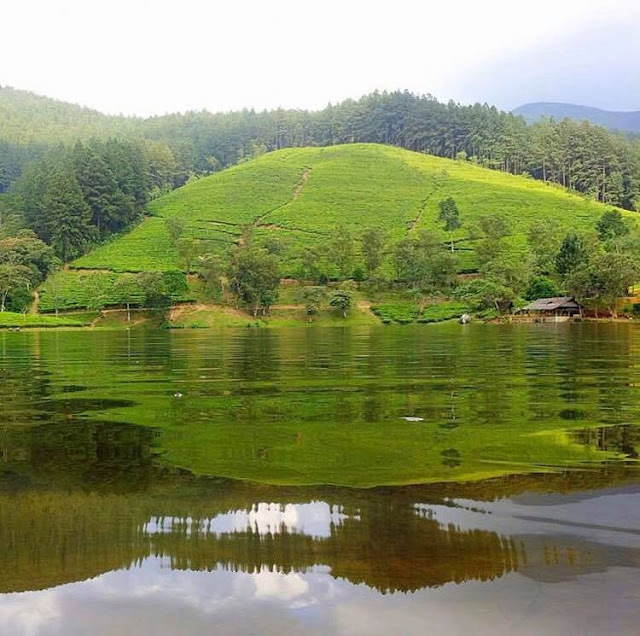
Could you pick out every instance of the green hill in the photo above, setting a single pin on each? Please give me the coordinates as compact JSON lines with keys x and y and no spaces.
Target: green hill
{"x":299,"y":195}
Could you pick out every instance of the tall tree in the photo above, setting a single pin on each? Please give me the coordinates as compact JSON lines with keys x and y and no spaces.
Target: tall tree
{"x":12,"y":278}
{"x":373,"y":241}
{"x":613,"y":275}
{"x":127,"y":290}
{"x":99,"y":188}
{"x":341,"y":250}
{"x":544,"y":239}
{"x":188,"y":249}
{"x":571,"y":255}
{"x":342,"y":298}
{"x":254,"y":276}
{"x":67,"y":216}
{"x":312,"y":298}
{"x":210,"y":270}
{"x":611,"y":227}
{"x":449,"y":217}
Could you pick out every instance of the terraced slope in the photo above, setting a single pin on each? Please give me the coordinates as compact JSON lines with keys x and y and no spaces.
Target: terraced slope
{"x":299,"y":195}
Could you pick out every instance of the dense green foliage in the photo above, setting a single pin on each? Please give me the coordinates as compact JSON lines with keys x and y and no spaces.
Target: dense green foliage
{"x":70,"y":290}
{"x":339,"y":212}
{"x":254,"y":276}
{"x":406,"y":312}
{"x":24,"y":263}
{"x":73,"y":198}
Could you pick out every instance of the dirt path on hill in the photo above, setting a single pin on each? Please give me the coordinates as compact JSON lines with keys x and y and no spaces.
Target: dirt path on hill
{"x":303,"y":179}
{"x":296,"y":195}
{"x":259,"y":222}
{"x":423,"y":206}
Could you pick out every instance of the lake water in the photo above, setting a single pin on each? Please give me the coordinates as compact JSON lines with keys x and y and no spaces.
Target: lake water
{"x":433,"y":479}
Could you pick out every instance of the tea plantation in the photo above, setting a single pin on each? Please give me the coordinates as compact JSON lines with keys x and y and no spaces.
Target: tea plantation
{"x":298,"y":196}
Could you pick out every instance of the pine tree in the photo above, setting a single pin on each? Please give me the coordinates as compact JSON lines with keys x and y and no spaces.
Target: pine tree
{"x":68,"y":217}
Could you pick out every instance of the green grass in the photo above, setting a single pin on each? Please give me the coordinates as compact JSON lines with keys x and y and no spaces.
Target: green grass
{"x":219,"y":317}
{"x":300,"y":195}
{"x":403,"y":312}
{"x":400,"y":311}
{"x":215,"y":317}
{"x":443,"y":311}
{"x":9,"y":320}
{"x":147,"y":247}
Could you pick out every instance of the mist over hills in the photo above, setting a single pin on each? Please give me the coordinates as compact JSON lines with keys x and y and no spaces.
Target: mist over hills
{"x":627,"y":121}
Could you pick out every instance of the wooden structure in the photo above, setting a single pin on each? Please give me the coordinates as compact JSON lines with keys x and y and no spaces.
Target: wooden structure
{"x":558,"y":307}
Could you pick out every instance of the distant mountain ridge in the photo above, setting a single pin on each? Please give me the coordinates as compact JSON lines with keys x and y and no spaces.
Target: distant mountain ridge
{"x":628,"y":121}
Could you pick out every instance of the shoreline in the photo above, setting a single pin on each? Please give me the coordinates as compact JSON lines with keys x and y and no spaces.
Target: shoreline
{"x":203,"y":317}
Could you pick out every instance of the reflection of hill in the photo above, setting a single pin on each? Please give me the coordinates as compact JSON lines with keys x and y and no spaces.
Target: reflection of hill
{"x":380,"y":538}
{"x":323,"y":406}
{"x":82,"y":493}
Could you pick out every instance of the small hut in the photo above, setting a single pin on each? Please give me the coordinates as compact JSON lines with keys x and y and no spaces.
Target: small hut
{"x":559,"y":307}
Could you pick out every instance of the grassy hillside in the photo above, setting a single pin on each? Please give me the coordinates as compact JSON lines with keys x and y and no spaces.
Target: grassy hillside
{"x":299,"y":195}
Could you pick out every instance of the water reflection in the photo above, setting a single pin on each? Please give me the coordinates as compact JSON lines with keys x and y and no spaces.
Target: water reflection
{"x":314,"y":519}
{"x":117,"y":514}
{"x":389,"y":539}
{"x":351,"y":407}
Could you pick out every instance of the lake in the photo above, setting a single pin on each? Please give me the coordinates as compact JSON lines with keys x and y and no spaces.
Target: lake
{"x":477,"y":479}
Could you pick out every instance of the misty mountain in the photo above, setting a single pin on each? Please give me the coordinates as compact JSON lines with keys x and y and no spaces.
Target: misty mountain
{"x":625,"y":121}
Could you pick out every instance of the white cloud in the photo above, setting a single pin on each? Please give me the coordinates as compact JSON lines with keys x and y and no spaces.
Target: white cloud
{"x":313,"y":519}
{"x":27,"y":614}
{"x":140,"y":57}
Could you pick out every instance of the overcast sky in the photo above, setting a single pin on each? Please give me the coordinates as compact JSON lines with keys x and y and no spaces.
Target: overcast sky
{"x":162,"y":56}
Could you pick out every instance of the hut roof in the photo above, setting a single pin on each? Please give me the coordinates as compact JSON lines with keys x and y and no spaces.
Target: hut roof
{"x":552,"y":304}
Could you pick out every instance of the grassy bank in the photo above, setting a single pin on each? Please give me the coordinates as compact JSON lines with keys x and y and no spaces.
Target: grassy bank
{"x":9,"y":320}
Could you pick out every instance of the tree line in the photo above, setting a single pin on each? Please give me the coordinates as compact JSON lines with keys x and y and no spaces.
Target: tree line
{"x":586,"y":158}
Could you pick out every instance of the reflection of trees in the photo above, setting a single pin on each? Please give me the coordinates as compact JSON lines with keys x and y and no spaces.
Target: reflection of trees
{"x":51,"y":539}
{"x":619,"y":438}
{"x":100,"y":456}
{"x":382,"y":538}
{"x":389,"y":547}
